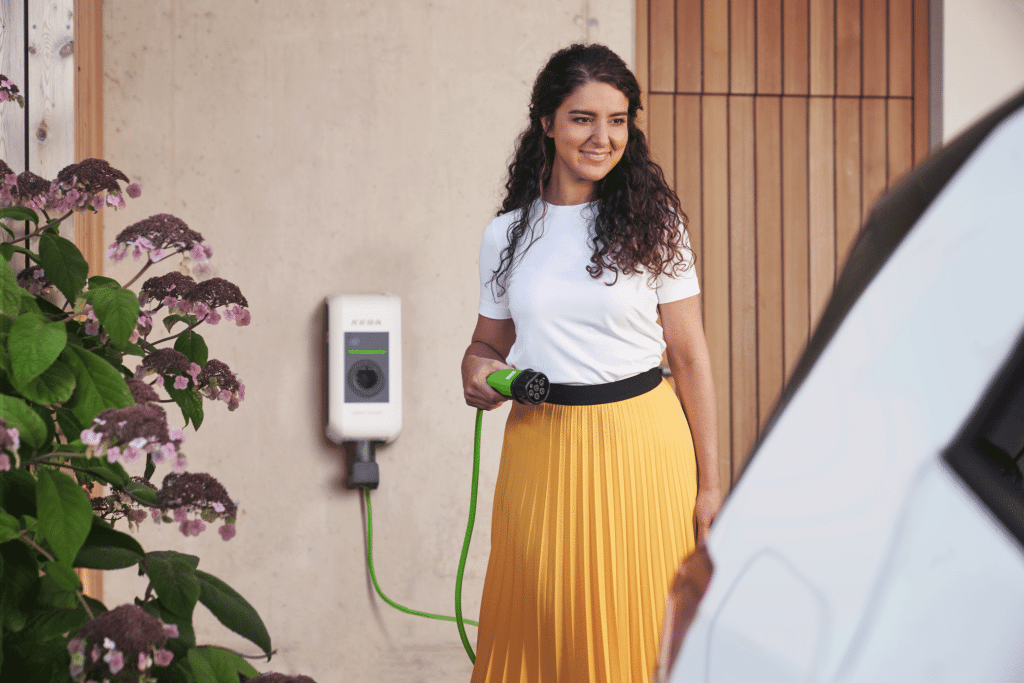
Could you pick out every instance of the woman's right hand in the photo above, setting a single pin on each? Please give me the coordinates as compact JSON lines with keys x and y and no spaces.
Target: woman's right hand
{"x":492,"y":340}
{"x":478,"y":393}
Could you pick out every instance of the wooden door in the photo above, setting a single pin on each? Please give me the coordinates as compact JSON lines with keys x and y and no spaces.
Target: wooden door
{"x":779,"y":122}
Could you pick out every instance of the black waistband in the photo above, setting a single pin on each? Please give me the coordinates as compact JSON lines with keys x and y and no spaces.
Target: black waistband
{"x":596,"y":394}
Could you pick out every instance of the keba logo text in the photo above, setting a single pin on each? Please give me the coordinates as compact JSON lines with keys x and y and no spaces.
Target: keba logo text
{"x":366,"y":322}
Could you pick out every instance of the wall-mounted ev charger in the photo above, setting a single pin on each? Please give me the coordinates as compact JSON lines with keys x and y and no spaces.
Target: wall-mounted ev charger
{"x":364,"y":377}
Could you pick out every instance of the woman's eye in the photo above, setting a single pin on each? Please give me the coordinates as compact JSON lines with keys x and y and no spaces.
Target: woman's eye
{"x":619,"y":122}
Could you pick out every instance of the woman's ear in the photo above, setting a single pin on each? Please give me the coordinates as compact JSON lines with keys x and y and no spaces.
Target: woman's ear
{"x":545,"y":121}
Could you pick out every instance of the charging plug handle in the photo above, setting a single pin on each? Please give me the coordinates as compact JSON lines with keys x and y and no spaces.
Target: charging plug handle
{"x":523,"y":386}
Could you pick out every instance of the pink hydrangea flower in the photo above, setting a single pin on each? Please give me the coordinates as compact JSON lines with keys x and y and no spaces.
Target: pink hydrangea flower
{"x":134,"y":190}
{"x":172,"y":632}
{"x":180,"y":515}
{"x":227,"y":531}
{"x":115,"y":660}
{"x":5,"y":462}
{"x":181,"y":382}
{"x":165,"y":657}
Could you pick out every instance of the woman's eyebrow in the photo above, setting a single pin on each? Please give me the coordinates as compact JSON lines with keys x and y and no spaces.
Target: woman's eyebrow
{"x":591,"y":113}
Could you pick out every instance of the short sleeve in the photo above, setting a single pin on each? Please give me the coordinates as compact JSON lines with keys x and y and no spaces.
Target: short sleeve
{"x":681,"y":286}
{"x":491,"y":304}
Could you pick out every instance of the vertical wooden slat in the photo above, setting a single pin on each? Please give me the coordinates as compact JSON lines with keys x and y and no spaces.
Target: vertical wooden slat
{"x":743,"y":276}
{"x":643,"y":63}
{"x":663,"y":133}
{"x":875,"y":44}
{"x":874,"y":165}
{"x":89,"y":119}
{"x":715,"y":162}
{"x":901,"y":48}
{"x":900,"y":128}
{"x":848,"y":47}
{"x":794,"y":229}
{"x":716,"y":46}
{"x":51,"y":87}
{"x":795,"y":47}
{"x":821,"y":183}
{"x":848,"y":194}
{"x":690,"y":48}
{"x":88,"y":36}
{"x":823,"y":48}
{"x":922,"y":105}
{"x":769,"y":47}
{"x":770,"y":368}
{"x":12,"y":65}
{"x":688,"y":169}
{"x":742,"y":30}
{"x":662,"y":45}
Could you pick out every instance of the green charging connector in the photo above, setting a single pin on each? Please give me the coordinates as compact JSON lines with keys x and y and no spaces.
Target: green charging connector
{"x":522,"y":386}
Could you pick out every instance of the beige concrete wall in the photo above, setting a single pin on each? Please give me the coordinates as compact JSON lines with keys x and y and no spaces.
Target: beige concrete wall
{"x":983,"y":59}
{"x":326,"y":147}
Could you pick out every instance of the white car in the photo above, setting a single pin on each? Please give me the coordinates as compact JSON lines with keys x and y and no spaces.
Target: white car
{"x":877,"y":533}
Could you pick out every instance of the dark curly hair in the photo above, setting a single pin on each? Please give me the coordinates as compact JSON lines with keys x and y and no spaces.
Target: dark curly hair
{"x":639,"y":223}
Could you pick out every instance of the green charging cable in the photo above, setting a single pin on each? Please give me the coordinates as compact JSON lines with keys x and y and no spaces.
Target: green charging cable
{"x":524,"y":386}
{"x":458,"y":619}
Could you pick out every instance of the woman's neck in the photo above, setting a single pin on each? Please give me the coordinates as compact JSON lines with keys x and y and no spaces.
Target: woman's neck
{"x":560,"y":193}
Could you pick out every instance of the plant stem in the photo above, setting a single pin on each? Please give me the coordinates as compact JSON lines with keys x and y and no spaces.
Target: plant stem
{"x":51,"y":558}
{"x":138,"y":275}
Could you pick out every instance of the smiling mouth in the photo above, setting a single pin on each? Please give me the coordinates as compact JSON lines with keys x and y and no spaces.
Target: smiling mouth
{"x":596,"y":156}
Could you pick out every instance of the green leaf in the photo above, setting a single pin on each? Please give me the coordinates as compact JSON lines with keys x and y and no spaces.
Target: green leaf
{"x":34,"y":344}
{"x":20,"y":585}
{"x":193,"y":346}
{"x":10,"y":292}
{"x":172,"y":320}
{"x":141,"y":491}
{"x":106,"y":548}
{"x":189,"y":400}
{"x":18,"y":492}
{"x":30,"y":426}
{"x":214,"y":665}
{"x":118,"y":312}
{"x":68,"y":422}
{"x":51,"y":623}
{"x":98,"y":282}
{"x":53,"y":386}
{"x":107,"y":472}
{"x":8,"y":527}
{"x":186,"y":632}
{"x":173,"y":576}
{"x":99,"y":385}
{"x":19,"y":213}
{"x":65,"y":513}
{"x":64,"y":264}
{"x":232,"y":610}
{"x":65,"y":577}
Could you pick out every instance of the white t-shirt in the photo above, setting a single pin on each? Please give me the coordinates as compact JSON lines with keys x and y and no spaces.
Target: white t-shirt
{"x":571,"y":327}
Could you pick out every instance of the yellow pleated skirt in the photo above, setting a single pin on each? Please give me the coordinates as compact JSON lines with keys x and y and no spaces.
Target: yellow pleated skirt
{"x":593,"y":512}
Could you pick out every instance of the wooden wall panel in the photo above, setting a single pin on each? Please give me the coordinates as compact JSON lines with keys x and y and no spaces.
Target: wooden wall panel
{"x":922,"y":103}
{"x":900,"y":140}
{"x":688,"y":168}
{"x":821,"y":191}
{"x":788,"y":119}
{"x":12,"y":65}
{"x":715,"y":246}
{"x":873,"y":152}
{"x":875,"y":48}
{"x":795,"y":47}
{"x":716,"y":46}
{"x":823,"y":47}
{"x":643,"y":62}
{"x":742,"y":41}
{"x":743,"y":280}
{"x":795,"y":248}
{"x":662,"y":45}
{"x":901,"y":49}
{"x":769,"y":47}
{"x":848,"y":193}
{"x":662,"y":126}
{"x":848,"y":48}
{"x":770,"y":369}
{"x":690,"y":46}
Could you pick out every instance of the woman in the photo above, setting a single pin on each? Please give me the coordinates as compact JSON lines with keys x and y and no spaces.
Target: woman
{"x":597,"y":498}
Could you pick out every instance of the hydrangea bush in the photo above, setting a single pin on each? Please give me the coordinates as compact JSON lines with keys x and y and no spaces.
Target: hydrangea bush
{"x":88,"y":370}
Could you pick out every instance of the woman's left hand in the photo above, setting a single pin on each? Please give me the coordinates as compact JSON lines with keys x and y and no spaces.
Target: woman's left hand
{"x":709,"y":501}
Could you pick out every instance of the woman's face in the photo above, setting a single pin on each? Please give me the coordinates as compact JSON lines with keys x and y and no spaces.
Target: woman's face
{"x":590,"y":134}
